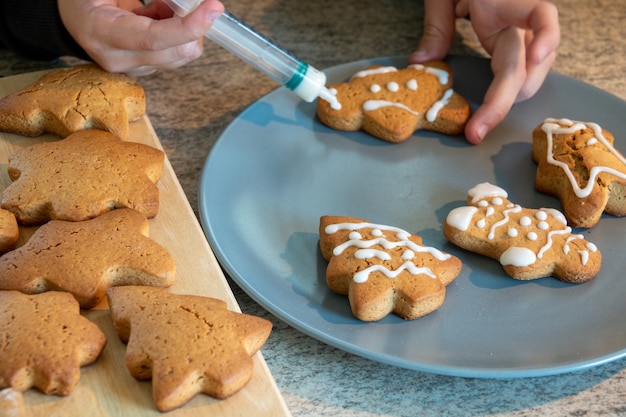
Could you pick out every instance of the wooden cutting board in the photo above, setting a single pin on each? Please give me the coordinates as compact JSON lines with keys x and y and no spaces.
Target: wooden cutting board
{"x":106,"y":388}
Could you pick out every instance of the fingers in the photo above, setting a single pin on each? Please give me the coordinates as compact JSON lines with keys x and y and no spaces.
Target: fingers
{"x":509,"y":76}
{"x":439,"y":31}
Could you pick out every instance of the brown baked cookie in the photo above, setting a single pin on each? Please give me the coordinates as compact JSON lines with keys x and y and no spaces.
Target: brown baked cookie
{"x":11,"y":403}
{"x":577,"y":163}
{"x":187,"y":344}
{"x":67,"y":100}
{"x":45,"y":341}
{"x":86,"y":258}
{"x":384,"y":269}
{"x":529,"y":243}
{"x":82,"y":176}
{"x":391,"y":103}
{"x":9,"y":231}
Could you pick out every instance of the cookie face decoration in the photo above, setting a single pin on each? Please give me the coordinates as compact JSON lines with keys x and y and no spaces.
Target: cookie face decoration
{"x":391,"y":103}
{"x":578,"y":164}
{"x":529,"y":243}
{"x":384,"y":269}
{"x":187,"y":344}
{"x":71,"y":99}
{"x":82,"y":176}
{"x":86,"y":258}
{"x":45,"y":341}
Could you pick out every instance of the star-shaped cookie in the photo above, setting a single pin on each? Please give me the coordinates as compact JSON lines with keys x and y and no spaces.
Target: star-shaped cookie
{"x":67,"y":100}
{"x":577,"y":163}
{"x":86,"y":258}
{"x":82,"y":176}
{"x":384,"y":269}
{"x":44,"y":341}
{"x":187,"y":344}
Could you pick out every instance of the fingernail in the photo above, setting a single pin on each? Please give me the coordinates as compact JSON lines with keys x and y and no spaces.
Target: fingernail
{"x":481,"y":132}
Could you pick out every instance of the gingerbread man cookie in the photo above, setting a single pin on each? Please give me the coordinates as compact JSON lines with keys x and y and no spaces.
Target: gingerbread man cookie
{"x":86,"y":258}
{"x":391,"y":103}
{"x":529,"y":243}
{"x":578,"y":164}
{"x":81,"y":177}
{"x":67,"y":100}
{"x":384,"y":269}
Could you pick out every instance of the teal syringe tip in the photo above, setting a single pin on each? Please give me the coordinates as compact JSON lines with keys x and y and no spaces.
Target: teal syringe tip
{"x":263,"y":54}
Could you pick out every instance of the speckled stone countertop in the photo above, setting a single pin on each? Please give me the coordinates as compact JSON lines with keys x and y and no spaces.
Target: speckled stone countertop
{"x":190,"y":107}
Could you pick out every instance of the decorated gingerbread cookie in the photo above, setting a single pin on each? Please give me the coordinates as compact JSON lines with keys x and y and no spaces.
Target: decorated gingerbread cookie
{"x":384,"y":269}
{"x":529,"y":243}
{"x":578,"y":163}
{"x":391,"y":103}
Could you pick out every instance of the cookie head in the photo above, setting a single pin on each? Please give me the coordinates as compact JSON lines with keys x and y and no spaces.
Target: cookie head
{"x":529,"y":243}
{"x":391,"y":103}
{"x":384,"y":269}
{"x":578,"y":163}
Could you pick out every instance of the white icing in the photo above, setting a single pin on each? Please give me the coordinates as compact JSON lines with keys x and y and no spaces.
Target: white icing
{"x":543,"y":225}
{"x":461,"y":217}
{"x":441,"y":75}
{"x":375,"y":88}
{"x":505,"y":220}
{"x":584,"y":256}
{"x":363,"y":275}
{"x":497,"y":201}
{"x":380,"y":70}
{"x":490,"y":211}
{"x":354,"y":235}
{"x":371,"y":105}
{"x":393,"y":86}
{"x":481,"y":223}
{"x":541,"y":215}
{"x":518,"y":256}
{"x":372,"y":253}
{"x":512,"y":232}
{"x":431,"y":114}
{"x":564,"y":126}
{"x":525,"y":221}
{"x":531,"y":236}
{"x":365,"y":250}
{"x":412,"y":85}
{"x":483,"y":190}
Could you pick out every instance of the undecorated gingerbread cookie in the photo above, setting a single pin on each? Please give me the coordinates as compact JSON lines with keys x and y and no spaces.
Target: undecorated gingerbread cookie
{"x":529,"y":243}
{"x":86,"y":258}
{"x":577,"y":163}
{"x":44,"y":342}
{"x":384,"y":269}
{"x":391,"y":103}
{"x":9,"y":231}
{"x":187,"y":344}
{"x":81,"y":177}
{"x":67,"y":100}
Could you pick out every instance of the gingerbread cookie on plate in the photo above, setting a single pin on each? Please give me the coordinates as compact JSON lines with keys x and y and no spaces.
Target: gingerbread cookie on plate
{"x":391,"y":103}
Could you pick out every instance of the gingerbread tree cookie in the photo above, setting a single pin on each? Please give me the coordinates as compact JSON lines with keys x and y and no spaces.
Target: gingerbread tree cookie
{"x":187,"y":344}
{"x":384,"y":269}
{"x":529,"y":243}
{"x":45,"y":341}
{"x":391,"y":103}
{"x":67,"y":100}
{"x":578,"y":164}
{"x":86,"y":258}
{"x":82,"y":176}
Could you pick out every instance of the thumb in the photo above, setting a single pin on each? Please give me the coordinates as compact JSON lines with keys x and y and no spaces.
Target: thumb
{"x":439,"y":31}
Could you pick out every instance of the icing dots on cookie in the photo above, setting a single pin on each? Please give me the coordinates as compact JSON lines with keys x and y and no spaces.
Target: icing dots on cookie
{"x":531,"y":242}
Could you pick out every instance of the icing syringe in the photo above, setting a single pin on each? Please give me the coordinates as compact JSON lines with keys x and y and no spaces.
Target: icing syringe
{"x":263,"y":54}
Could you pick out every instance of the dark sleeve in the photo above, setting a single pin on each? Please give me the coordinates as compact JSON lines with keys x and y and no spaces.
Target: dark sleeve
{"x":33,"y":28}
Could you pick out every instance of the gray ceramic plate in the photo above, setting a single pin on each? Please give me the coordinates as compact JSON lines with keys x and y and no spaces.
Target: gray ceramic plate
{"x":276,"y":169}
